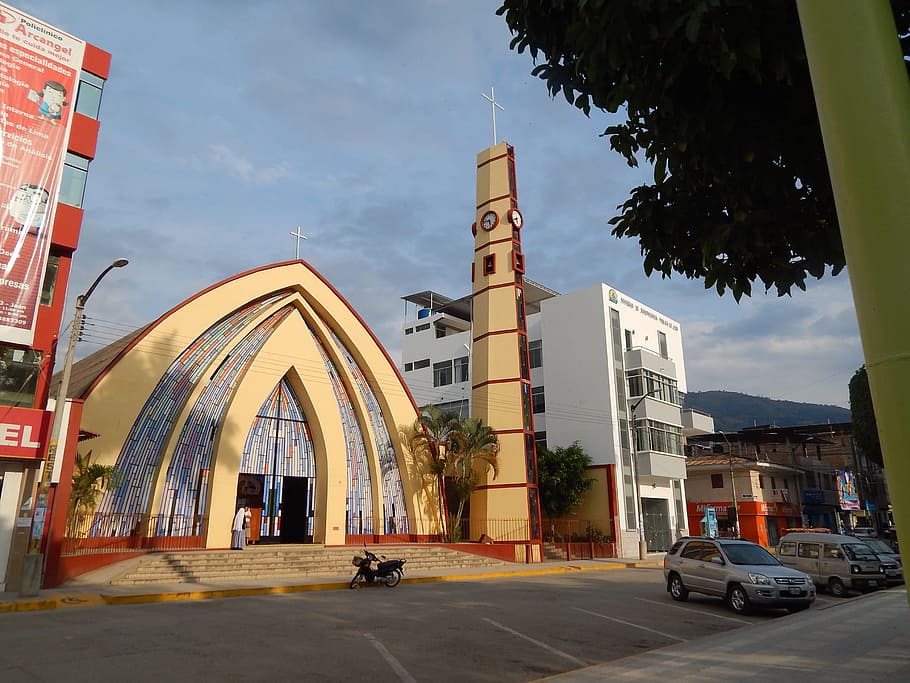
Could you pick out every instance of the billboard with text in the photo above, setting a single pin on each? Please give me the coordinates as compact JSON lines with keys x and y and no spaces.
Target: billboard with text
{"x":39,"y":75}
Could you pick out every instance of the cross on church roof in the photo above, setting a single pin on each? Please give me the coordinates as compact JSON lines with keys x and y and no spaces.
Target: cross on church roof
{"x":299,"y":236}
{"x":491,"y":98}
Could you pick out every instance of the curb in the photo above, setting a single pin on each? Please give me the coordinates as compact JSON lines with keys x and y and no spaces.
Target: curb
{"x":69,"y":601}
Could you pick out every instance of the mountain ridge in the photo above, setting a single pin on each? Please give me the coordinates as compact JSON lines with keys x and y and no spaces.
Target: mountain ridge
{"x":733,"y":411}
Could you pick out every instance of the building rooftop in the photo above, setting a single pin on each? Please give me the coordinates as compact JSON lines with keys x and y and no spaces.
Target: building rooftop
{"x":461,"y":308}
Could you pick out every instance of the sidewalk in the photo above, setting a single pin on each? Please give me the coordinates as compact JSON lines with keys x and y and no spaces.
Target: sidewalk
{"x":94,"y":588}
{"x":860,"y":640}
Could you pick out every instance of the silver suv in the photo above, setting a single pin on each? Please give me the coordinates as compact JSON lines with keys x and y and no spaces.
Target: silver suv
{"x":742,"y":572}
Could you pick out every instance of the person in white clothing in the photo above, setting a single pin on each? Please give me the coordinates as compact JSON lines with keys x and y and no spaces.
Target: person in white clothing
{"x":238,"y":535}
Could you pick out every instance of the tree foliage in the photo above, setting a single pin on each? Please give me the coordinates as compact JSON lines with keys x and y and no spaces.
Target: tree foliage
{"x":89,"y":481}
{"x":865,"y":429}
{"x":474,"y":449}
{"x":717,"y":97}
{"x":562,"y":478}
{"x":453,"y":450}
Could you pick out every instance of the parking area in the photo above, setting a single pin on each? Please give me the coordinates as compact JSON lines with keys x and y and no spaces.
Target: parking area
{"x":515,"y":629}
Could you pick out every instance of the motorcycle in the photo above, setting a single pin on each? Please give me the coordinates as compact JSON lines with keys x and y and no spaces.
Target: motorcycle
{"x":387,"y":571}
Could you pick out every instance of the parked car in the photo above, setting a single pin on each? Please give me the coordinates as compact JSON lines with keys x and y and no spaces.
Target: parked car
{"x":840,"y":563}
{"x":742,"y":572}
{"x":890,"y":560}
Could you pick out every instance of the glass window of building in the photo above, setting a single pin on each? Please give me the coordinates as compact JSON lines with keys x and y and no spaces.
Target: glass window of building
{"x":88,"y":97}
{"x":717,"y":481}
{"x":72,"y":184}
{"x":461,"y":369}
{"x":643,"y":382}
{"x":442,"y":373}
{"x":537,"y":400}
{"x":535,"y":353}
{"x":662,"y":343}
{"x":19,"y":369}
{"x":50,"y":280}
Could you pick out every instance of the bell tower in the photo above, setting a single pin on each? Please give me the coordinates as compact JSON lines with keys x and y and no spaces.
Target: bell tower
{"x":500,"y":370}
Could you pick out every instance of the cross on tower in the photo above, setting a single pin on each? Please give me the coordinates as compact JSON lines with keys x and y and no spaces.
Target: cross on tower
{"x":299,"y":236}
{"x":491,"y":98}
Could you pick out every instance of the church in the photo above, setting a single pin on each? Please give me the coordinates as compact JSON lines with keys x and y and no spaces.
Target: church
{"x":267,"y":390}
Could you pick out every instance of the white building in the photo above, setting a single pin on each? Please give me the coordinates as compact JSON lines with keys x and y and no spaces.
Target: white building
{"x":595,"y":355}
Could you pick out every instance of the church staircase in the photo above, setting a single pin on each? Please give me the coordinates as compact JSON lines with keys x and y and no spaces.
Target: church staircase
{"x":284,"y":562}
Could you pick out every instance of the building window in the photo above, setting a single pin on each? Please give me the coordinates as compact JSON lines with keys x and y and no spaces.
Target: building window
{"x":717,"y":481}
{"x":662,"y":344}
{"x":520,"y":308}
{"x":461,"y":369}
{"x":72,"y":183}
{"x":773,"y":483}
{"x":421,"y":328}
{"x":761,"y":481}
{"x":535,"y":353}
{"x":420,"y":364}
{"x":88,"y":97}
{"x":523,"y":357}
{"x":540,"y":440}
{"x":628,"y":340}
{"x":409,"y":330}
{"x":408,"y":367}
{"x":440,"y":331}
{"x":526,"y":406}
{"x":442,"y":373}
{"x":643,"y":382}
{"x":537,"y":400}
{"x":489,"y":264}
{"x":518,"y":262}
{"x":651,"y":435}
{"x":50,"y":280}
{"x":19,"y":369}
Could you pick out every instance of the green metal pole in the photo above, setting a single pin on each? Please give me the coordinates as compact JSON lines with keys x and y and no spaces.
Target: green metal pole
{"x":863,"y":97}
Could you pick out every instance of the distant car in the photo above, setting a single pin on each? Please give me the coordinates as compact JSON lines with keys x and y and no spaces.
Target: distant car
{"x":743,"y":573}
{"x":891,"y":561}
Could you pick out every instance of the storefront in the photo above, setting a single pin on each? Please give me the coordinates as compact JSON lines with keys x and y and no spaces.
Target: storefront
{"x":760,"y":521}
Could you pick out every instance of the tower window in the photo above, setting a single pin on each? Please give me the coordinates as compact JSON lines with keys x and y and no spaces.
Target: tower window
{"x":489,"y":264}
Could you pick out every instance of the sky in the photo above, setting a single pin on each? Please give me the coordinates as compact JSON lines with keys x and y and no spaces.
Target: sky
{"x":226,"y":124}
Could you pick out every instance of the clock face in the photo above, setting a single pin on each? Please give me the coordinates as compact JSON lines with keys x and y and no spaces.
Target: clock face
{"x":489,"y":220}
{"x":515,"y":218}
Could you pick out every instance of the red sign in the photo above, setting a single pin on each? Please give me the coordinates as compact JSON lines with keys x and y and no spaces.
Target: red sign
{"x":23,"y":433}
{"x":39,"y":74}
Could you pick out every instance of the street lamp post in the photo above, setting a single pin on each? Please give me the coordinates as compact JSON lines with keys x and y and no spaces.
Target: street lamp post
{"x":642,"y":543}
{"x":735,"y":524}
{"x":34,"y":559}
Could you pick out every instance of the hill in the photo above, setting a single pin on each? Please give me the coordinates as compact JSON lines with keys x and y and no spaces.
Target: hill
{"x":733,"y":411}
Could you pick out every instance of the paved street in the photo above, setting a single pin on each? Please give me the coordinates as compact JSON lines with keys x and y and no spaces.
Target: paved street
{"x":497,"y":630}
{"x":508,"y":629}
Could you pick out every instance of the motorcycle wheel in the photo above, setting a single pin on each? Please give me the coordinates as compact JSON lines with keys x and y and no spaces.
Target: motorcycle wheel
{"x":394,"y":579}
{"x":358,"y":577}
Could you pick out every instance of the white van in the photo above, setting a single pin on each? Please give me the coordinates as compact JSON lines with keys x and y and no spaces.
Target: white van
{"x":837,"y":562}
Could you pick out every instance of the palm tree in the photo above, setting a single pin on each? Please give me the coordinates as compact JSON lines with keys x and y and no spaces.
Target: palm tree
{"x":430,"y":439}
{"x":89,"y":480}
{"x":474,"y":447}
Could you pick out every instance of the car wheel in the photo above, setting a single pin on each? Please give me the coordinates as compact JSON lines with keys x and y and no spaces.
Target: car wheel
{"x":837,"y":588}
{"x":678,"y":591}
{"x":739,"y":601}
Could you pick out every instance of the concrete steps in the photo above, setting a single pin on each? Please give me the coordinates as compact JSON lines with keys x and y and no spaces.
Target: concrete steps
{"x":552,"y":552}
{"x":259,"y":562}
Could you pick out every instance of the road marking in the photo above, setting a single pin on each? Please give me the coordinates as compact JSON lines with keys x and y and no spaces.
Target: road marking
{"x":697,"y":611}
{"x":629,"y":623}
{"x":543,"y":646}
{"x":403,"y":675}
